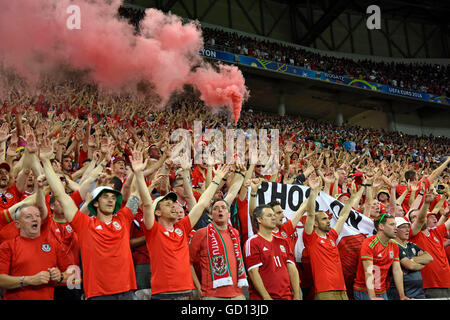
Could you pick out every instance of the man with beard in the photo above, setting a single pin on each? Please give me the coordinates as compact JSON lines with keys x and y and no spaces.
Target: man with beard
{"x":378,"y":253}
{"x":321,"y":242}
{"x":436,"y":275}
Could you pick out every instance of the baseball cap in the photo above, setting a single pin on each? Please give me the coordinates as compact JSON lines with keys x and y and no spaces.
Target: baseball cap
{"x":400,"y":220}
{"x":118,"y":158}
{"x":170,"y":195}
{"x":431,"y":213}
{"x":5,"y":166}
{"x":338,"y":196}
{"x":97,"y":192}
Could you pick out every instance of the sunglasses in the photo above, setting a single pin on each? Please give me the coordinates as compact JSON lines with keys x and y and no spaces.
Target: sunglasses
{"x":259,"y":166}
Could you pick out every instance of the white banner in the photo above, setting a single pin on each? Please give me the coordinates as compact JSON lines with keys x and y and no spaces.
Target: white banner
{"x":291,"y":197}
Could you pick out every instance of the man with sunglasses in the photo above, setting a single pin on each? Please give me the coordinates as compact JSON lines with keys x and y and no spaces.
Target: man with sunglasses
{"x":378,"y":253}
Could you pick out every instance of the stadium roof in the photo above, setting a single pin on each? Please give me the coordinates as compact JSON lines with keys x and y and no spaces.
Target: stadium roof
{"x":434,"y":12}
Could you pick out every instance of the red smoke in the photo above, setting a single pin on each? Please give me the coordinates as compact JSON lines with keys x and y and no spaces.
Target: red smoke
{"x":36,"y":41}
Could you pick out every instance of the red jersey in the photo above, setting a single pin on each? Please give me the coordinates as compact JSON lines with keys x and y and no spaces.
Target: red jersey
{"x":436,"y":274}
{"x":140,"y":253}
{"x":325,"y":261}
{"x":105,"y":252}
{"x":5,"y":217}
{"x":288,"y":232}
{"x":243,"y":218}
{"x":271,"y":257}
{"x":169,"y":257}
{"x":197,"y":177}
{"x":401,"y":188}
{"x":64,"y":235}
{"x":382,"y":255}
{"x":198,"y":249}
{"x":26,"y":257}
{"x":10,"y":197}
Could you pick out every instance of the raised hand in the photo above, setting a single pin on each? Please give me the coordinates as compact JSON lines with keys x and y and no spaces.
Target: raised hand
{"x":4,"y":132}
{"x":222,"y":170}
{"x":137,"y":163}
{"x":41,"y":181}
{"x":46,"y":149}
{"x":314,"y":182}
{"x":30,"y":139}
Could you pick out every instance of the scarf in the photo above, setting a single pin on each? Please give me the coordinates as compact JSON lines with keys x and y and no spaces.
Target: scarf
{"x":218,"y":258}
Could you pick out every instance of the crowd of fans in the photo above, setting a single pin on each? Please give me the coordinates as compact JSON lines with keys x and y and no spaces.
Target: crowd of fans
{"x":422,"y":77}
{"x":429,"y":78}
{"x":66,"y":150}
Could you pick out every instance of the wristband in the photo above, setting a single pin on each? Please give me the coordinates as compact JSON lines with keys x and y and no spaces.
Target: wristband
{"x":240,"y":173}
{"x":22,"y":279}
{"x":366,"y":184}
{"x":421,"y":194}
{"x":215,"y":182}
{"x":61,"y":278}
{"x":253,"y":195}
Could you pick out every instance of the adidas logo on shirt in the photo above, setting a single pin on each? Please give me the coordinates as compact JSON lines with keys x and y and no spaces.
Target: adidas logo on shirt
{"x":265,"y":249}
{"x":99,"y":227}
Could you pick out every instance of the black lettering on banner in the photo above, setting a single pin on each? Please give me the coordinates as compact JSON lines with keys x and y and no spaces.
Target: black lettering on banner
{"x":353,"y":218}
{"x":294,"y":206}
{"x":262,"y":189}
{"x":279,"y":196}
{"x":335,"y":210}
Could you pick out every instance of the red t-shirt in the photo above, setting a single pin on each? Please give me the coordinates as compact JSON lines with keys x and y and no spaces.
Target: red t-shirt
{"x":169,"y":257}
{"x":197,"y":177}
{"x":64,"y":235}
{"x":382,"y":255}
{"x":243,"y":218}
{"x":198,"y":249}
{"x":436,"y":274}
{"x":105,"y":252}
{"x":288,"y":232}
{"x":5,"y":218}
{"x":140,"y":253}
{"x":26,"y":257}
{"x":11,"y":196}
{"x":271,"y":257}
{"x":401,"y":188}
{"x":325,"y":261}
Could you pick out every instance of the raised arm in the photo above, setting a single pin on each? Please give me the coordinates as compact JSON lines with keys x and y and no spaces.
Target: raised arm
{"x":345,"y":211}
{"x":315,"y":184}
{"x":236,"y":184}
{"x":437,"y":172}
{"x":138,"y":166}
{"x":207,"y":195}
{"x":416,"y":226}
{"x":69,"y":207}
